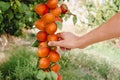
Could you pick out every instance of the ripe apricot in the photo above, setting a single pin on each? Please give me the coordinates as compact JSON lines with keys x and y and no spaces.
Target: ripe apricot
{"x":42,"y":44}
{"x":64,"y":8}
{"x":59,"y":77}
{"x":41,"y":36}
{"x":41,"y":9}
{"x":52,"y":3}
{"x":48,"y":18}
{"x":40,"y":24}
{"x":43,"y":52}
{"x":51,"y":28}
{"x":55,"y":68}
{"x":56,"y":11}
{"x":58,"y":19}
{"x":52,"y":37}
{"x":44,"y":63}
{"x":54,"y":56}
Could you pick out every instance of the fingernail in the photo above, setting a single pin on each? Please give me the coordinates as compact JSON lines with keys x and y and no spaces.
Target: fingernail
{"x":49,"y":43}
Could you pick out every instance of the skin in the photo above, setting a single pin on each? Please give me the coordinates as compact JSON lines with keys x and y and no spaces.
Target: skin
{"x":109,"y":30}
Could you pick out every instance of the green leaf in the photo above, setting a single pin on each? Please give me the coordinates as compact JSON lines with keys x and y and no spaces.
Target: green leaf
{"x":41,"y":75}
{"x":62,"y":15}
{"x":24,"y":8}
{"x":19,"y":16}
{"x":35,"y":44}
{"x":10,"y":15}
{"x":54,"y":75}
{"x":59,"y":24}
{"x":66,"y":17}
{"x":1,"y":18}
{"x":18,"y":3}
{"x":4,"y":5}
{"x":0,"y":11}
{"x":74,"y":19}
{"x":48,"y":76}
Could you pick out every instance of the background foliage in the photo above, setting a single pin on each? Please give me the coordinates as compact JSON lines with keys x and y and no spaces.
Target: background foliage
{"x":16,"y":15}
{"x":98,"y":13}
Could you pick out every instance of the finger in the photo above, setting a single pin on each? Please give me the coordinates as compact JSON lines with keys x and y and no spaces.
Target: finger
{"x":55,"y":43}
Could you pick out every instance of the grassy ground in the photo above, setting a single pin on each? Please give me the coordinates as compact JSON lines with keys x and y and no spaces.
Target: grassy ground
{"x":75,"y":64}
{"x":21,"y":65}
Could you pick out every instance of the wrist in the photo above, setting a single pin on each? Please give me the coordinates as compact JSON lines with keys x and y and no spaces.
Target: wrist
{"x":82,"y":42}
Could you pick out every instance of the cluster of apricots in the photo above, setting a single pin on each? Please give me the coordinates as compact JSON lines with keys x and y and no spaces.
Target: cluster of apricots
{"x":49,"y":13}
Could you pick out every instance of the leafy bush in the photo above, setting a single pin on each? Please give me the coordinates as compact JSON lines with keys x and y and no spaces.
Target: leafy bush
{"x":98,"y":13}
{"x":16,"y":15}
{"x":20,"y":66}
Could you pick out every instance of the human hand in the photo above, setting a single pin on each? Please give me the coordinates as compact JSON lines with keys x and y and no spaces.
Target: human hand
{"x":68,"y":40}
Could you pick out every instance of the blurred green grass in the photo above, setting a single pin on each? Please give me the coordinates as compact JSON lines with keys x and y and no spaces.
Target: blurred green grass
{"x":21,"y":65}
{"x":75,"y":65}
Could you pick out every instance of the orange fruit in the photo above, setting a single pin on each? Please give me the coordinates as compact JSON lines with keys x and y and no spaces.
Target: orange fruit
{"x":52,"y":37}
{"x":58,"y":19}
{"x":52,"y":3}
{"x":41,"y":36}
{"x":48,"y":18}
{"x":40,"y":24}
{"x":42,"y":44}
{"x":41,"y":9}
{"x":56,"y":11}
{"x":44,"y":63}
{"x":55,"y":68}
{"x":64,"y":8}
{"x":59,"y":77}
{"x":51,"y":28}
{"x":43,"y":52}
{"x":54,"y":56}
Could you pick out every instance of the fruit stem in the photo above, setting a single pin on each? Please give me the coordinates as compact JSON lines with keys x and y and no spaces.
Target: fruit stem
{"x":69,"y":13}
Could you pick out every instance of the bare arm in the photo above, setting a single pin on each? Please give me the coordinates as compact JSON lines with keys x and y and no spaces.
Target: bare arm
{"x":109,"y":30}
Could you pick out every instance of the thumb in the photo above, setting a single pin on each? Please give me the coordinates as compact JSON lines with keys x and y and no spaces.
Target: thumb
{"x":54,"y":43}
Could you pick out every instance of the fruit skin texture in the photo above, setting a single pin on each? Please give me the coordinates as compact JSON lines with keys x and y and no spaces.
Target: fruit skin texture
{"x":59,"y":77}
{"x":54,"y":56}
{"x":55,"y":68}
{"x":52,"y":3}
{"x":41,"y":9}
{"x":64,"y":8}
{"x":43,"y":52}
{"x":51,"y":28}
{"x":42,"y":44}
{"x":44,"y":63}
{"x":48,"y":18}
{"x":58,"y":19}
{"x":40,"y":24}
{"x":52,"y":37}
{"x":41,"y":36}
{"x":56,"y":11}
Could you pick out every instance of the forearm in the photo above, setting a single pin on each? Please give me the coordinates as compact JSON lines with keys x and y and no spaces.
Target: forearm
{"x":109,"y":30}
